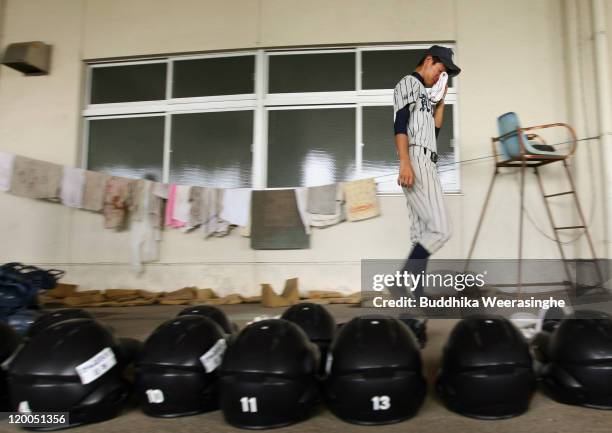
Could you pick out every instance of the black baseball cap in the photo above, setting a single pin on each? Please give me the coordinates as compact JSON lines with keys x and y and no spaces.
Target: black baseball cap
{"x":446,"y":57}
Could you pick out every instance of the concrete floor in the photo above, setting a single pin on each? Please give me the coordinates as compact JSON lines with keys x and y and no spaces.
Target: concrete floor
{"x":544,"y":415}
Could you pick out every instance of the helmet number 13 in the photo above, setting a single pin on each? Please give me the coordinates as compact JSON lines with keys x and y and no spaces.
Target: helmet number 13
{"x":249,"y":404}
{"x":381,"y":402}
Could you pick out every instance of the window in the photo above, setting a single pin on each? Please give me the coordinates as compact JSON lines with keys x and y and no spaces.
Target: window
{"x":127,"y":147}
{"x":382,"y":69}
{"x":213,"y":77}
{"x":316,"y":72}
{"x":129,"y":83}
{"x":308,"y":147}
{"x":379,"y":159}
{"x":267,"y":118}
{"x":212,"y":149}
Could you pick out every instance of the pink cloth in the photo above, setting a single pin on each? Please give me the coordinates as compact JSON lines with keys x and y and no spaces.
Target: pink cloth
{"x":170,"y":220}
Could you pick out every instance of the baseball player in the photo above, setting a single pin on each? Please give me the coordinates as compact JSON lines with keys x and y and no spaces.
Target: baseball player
{"x":417,"y":121}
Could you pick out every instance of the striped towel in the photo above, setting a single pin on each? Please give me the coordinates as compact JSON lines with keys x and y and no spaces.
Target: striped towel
{"x":436,"y":92}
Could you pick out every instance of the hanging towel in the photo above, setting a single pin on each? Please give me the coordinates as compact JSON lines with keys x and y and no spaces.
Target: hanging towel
{"x":208,"y":210}
{"x":159,"y":194}
{"x":170,"y":204}
{"x":94,"y":190}
{"x":323,"y":220}
{"x":236,"y":206}
{"x":182,"y":206}
{"x":195,"y":209}
{"x":322,"y":199}
{"x":116,"y":202}
{"x":161,"y":190}
{"x":221,"y":226}
{"x":145,"y":232}
{"x":73,"y":184}
{"x":178,"y":206}
{"x":212,"y":223}
{"x":301,"y":199}
{"x":7,"y":161}
{"x":139,"y":189}
{"x":276,"y":222}
{"x":361,"y":199}
{"x":36,"y":179}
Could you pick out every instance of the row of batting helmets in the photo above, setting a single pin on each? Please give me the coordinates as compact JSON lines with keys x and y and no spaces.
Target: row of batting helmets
{"x":273,"y":372}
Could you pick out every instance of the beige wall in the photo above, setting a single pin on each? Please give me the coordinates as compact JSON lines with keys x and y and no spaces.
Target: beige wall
{"x":512,"y":55}
{"x":138,"y":27}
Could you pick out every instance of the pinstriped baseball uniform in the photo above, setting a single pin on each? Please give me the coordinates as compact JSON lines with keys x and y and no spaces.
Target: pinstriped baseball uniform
{"x":430,"y":224}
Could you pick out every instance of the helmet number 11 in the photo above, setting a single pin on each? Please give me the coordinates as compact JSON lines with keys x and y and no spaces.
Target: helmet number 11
{"x":381,"y":402}
{"x":249,"y":404}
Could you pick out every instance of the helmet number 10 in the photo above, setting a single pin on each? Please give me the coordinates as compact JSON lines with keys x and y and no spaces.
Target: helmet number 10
{"x":249,"y":404}
{"x":381,"y":402}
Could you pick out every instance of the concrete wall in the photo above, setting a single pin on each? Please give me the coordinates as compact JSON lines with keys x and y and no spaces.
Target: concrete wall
{"x":512,"y":55}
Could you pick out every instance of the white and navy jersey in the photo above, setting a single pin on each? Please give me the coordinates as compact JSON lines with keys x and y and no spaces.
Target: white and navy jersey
{"x":414,"y":112}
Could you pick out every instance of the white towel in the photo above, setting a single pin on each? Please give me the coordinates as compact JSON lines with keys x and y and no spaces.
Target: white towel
{"x":236,"y":208}
{"x":436,"y":92}
{"x":6,"y":170}
{"x":145,"y":232}
{"x":73,"y":185}
{"x":182,"y":205}
{"x":301,"y":198}
{"x":322,"y":221}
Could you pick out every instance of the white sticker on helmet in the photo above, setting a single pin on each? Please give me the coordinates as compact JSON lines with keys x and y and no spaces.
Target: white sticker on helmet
{"x":96,"y":366}
{"x":328,"y":363}
{"x":155,"y":396}
{"x":24,"y":407}
{"x":212,"y":359}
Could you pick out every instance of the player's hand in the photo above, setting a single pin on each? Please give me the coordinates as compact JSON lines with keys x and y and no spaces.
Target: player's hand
{"x":406,"y":175}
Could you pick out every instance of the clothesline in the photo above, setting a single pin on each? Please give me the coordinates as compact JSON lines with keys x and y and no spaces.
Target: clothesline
{"x":272,"y":218}
{"x":35,"y":188}
{"x":481,"y":158}
{"x":263,"y":214}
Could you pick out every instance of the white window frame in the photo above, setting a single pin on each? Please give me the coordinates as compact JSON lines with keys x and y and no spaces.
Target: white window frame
{"x":261,"y":102}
